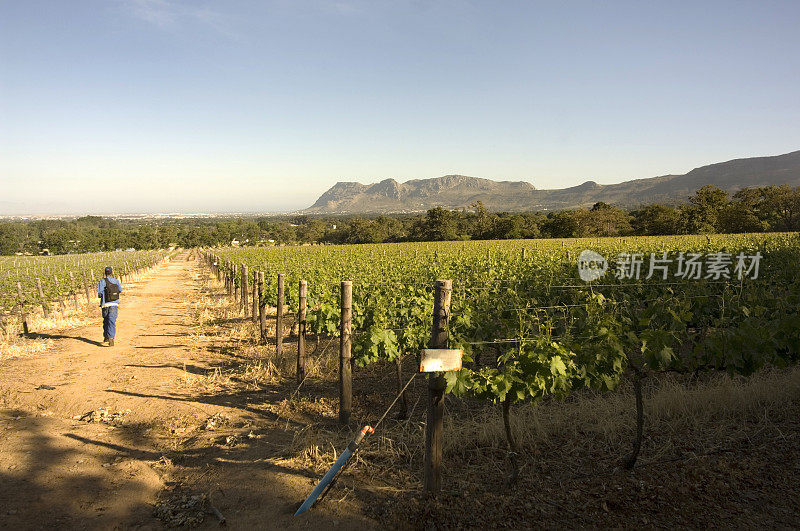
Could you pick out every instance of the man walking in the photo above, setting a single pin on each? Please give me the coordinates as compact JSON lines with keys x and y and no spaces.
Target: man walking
{"x":108,"y":289}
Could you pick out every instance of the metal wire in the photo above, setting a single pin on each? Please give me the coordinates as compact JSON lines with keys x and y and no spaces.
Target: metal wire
{"x":523,"y":340}
{"x":560,"y":306}
{"x":487,"y":286}
{"x":403,"y":390}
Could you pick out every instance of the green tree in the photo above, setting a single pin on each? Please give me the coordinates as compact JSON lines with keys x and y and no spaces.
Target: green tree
{"x":12,"y":238}
{"x":744,"y":213}
{"x":437,"y":225}
{"x":704,"y":208}
{"x":603,"y":220}
{"x":361,"y":230}
{"x":658,"y":220}
{"x":561,"y":224}
{"x":311,"y":231}
{"x":782,"y":207}
{"x":482,"y":222}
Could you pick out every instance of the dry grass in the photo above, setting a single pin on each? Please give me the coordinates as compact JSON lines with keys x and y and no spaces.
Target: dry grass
{"x":217,"y":324}
{"x":586,"y":433}
{"x":13,"y":344}
{"x":212,"y":382}
{"x":57,"y":322}
{"x":702,"y":415}
{"x":24,"y":348}
{"x":215,"y":316}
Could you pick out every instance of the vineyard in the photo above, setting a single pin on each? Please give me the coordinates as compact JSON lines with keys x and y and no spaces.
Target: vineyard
{"x":604,"y":383}
{"x":50,"y":284}
{"x":529,"y":327}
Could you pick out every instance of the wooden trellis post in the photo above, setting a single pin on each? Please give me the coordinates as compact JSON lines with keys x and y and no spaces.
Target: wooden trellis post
{"x":86,"y":288}
{"x":74,"y":291}
{"x":434,"y":425}
{"x":345,"y":345}
{"x":45,"y":306}
{"x":301,"y":331}
{"x":255,"y":296}
{"x":61,"y":306}
{"x":245,"y":291}
{"x":262,"y":310}
{"x":234,"y":276}
{"x":279,"y":319}
{"x":22,"y":314}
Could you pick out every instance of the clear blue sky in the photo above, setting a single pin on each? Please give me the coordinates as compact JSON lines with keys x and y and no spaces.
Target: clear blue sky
{"x":243,"y":105}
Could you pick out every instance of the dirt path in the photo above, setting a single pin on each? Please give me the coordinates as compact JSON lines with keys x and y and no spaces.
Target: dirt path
{"x":154,"y":444}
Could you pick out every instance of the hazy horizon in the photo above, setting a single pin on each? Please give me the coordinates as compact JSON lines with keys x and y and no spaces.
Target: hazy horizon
{"x":154,"y":106}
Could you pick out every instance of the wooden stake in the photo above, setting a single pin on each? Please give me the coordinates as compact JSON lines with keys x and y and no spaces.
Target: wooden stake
{"x":345,"y":369}
{"x":45,"y":306}
{"x":301,"y":331}
{"x":255,"y":297}
{"x":434,"y":424}
{"x":245,"y":291}
{"x":74,"y":291}
{"x":86,"y":288}
{"x":279,"y":320}
{"x":262,"y":310}
{"x":22,"y":314}
{"x":234,"y":276}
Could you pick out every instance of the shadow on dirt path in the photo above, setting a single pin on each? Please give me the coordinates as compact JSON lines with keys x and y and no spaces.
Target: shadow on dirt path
{"x":39,"y":335}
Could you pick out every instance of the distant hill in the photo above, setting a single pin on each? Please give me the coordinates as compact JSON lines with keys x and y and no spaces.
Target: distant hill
{"x":457,"y":191}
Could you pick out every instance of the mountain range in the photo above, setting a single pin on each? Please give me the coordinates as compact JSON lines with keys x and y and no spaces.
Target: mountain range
{"x":459,"y":191}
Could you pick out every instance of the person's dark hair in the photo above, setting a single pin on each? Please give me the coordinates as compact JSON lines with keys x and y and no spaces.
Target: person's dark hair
{"x":109,"y":270}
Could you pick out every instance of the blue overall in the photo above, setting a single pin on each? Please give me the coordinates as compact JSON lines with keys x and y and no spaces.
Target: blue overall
{"x":109,"y":309}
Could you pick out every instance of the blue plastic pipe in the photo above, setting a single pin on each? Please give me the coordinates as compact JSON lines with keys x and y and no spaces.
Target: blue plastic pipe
{"x":330,"y":474}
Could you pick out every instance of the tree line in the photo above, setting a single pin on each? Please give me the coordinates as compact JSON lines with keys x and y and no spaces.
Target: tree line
{"x":709,"y":210}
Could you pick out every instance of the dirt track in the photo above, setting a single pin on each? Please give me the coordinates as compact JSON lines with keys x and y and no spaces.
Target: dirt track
{"x":56,"y":469}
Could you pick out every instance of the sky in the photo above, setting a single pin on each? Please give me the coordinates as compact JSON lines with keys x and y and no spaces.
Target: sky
{"x":112,"y":106}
